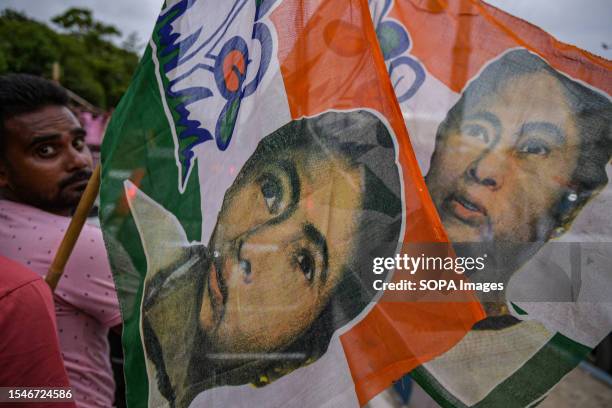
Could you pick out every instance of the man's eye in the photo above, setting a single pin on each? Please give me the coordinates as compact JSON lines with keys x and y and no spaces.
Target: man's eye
{"x":535,"y":147}
{"x":45,"y":151}
{"x":306,"y":263}
{"x":78,"y":144}
{"x":272,"y":192}
{"x":476,"y":131}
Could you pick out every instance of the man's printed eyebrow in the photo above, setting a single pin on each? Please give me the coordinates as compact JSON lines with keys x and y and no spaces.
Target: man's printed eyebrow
{"x":315,"y":236}
{"x":546,"y":127}
{"x":295,"y":186}
{"x":487,"y":117}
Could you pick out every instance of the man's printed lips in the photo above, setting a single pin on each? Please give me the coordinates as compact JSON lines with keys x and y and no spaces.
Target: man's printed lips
{"x":466,"y":209}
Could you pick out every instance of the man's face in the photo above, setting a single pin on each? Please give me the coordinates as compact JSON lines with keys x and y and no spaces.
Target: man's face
{"x":281,"y":241}
{"x":498,"y":174}
{"x":46,"y":163}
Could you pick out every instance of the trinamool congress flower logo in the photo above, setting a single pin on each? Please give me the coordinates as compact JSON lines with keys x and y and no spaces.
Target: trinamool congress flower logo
{"x":209,"y":57}
{"x":407,"y":74}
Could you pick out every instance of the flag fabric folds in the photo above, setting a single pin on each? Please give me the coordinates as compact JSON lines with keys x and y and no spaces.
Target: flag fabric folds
{"x":257,"y":165}
{"x":512,"y":131}
{"x":268,"y":151}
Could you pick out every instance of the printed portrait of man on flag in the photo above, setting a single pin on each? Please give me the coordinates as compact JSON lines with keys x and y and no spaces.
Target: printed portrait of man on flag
{"x":289,"y":261}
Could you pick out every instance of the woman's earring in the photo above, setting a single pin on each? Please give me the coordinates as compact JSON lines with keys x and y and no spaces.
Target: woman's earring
{"x":558,"y":232}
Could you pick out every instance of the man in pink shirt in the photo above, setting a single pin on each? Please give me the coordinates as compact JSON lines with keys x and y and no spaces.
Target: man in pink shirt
{"x":44,"y":168}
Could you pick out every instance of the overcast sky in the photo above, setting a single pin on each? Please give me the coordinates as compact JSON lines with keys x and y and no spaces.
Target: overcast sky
{"x":585,"y":23}
{"x":127,"y":15}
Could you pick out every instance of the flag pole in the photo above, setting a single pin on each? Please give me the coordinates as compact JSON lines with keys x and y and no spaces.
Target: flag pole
{"x":74,"y":230}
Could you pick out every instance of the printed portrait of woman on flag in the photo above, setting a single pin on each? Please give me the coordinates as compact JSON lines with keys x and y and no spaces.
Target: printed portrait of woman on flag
{"x":519,"y":155}
{"x":516,"y":159}
{"x":289,"y":261}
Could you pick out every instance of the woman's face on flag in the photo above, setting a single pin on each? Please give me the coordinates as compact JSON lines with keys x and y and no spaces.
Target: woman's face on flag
{"x":279,"y":248}
{"x":499,"y":172}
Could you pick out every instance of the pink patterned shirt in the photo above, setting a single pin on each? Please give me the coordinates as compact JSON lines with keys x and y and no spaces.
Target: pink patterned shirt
{"x":86,"y":304}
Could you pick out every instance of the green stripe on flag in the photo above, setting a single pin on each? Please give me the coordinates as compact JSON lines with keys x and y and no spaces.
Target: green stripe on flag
{"x":428,"y":382}
{"x":526,"y":386}
{"x":139,"y":139}
{"x":538,"y":375}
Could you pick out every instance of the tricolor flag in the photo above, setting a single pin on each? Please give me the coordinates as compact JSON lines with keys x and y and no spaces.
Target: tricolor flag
{"x":256,"y":167}
{"x":512,"y":130}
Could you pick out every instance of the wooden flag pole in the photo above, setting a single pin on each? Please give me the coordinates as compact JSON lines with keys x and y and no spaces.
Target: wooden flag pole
{"x":74,"y":230}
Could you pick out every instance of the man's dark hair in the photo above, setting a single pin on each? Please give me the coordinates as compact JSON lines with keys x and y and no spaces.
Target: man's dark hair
{"x":592,"y":112}
{"x":23,"y":93}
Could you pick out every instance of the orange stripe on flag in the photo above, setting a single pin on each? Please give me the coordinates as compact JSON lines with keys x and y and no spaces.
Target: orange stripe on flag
{"x":330,"y":59}
{"x":395,"y":338}
{"x":441,"y":41}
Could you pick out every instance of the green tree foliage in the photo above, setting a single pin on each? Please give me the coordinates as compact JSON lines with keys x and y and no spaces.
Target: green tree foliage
{"x":80,"y":22}
{"x":91,"y":65}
